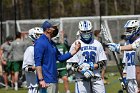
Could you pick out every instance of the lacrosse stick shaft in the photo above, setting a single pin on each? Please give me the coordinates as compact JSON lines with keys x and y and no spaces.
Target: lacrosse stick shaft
{"x":108,"y":38}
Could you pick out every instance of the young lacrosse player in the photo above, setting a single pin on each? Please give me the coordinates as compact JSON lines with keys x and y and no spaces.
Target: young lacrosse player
{"x":28,"y":61}
{"x":90,"y":60}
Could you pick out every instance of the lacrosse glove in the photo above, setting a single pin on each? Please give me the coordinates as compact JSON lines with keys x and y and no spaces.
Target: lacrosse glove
{"x":114,"y":47}
{"x":87,"y":73}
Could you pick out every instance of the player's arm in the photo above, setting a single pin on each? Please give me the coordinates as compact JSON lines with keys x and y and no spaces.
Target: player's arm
{"x":126,"y":47}
{"x":117,"y":48}
{"x":38,"y":54}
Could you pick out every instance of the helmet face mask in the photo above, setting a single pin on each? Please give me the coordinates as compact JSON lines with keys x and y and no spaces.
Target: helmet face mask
{"x":86,"y":34}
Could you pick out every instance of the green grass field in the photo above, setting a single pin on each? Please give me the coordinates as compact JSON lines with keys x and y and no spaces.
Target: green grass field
{"x":112,"y":87}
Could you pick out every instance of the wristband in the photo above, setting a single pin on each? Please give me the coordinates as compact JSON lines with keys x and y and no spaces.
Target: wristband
{"x":41,"y":79}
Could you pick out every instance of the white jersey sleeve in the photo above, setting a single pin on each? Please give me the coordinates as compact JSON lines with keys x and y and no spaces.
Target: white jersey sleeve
{"x":28,"y":58}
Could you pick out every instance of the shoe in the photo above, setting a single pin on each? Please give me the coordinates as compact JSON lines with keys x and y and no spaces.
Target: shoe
{"x":6,"y":87}
{"x":16,"y":88}
{"x":68,"y":91}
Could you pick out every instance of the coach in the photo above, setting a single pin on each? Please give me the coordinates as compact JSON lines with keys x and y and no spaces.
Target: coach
{"x":46,"y":54}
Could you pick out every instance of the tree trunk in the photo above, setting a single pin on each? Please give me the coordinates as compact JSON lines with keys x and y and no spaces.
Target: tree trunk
{"x":116,"y":8}
{"x":132,"y":8}
{"x":97,"y":7}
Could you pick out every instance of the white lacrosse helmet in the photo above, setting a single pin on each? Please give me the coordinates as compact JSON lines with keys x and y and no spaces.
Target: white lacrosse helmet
{"x":85,"y":25}
{"x":85,"y":28}
{"x":131,"y":28}
{"x":35,"y":33}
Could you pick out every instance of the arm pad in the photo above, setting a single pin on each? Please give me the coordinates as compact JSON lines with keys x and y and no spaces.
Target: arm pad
{"x":101,"y":64}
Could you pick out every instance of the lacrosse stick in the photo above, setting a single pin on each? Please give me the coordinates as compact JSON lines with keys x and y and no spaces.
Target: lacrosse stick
{"x":108,"y":38}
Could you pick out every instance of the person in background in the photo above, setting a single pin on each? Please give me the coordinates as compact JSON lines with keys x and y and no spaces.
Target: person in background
{"x":28,"y":61}
{"x":17,"y":49}
{"x":5,"y":47}
{"x":45,"y":55}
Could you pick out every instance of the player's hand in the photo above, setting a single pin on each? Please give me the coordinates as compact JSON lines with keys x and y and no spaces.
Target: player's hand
{"x":114,"y":47}
{"x":88,"y":74}
{"x":33,"y":67}
{"x":76,"y":48}
{"x":43,"y":84}
{"x":4,"y":62}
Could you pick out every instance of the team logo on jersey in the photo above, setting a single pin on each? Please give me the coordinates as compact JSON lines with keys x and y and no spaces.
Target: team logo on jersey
{"x":88,"y":48}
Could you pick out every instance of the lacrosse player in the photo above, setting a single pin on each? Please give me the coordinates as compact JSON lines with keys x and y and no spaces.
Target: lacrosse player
{"x":89,"y":59}
{"x":132,"y":36}
{"x":28,"y":61}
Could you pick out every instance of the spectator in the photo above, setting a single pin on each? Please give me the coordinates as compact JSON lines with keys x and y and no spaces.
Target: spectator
{"x":17,"y":49}
{"x":5,"y":58}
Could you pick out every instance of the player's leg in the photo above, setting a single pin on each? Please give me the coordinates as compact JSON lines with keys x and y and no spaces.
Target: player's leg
{"x":82,"y":86}
{"x":53,"y":88}
{"x":31,"y":82}
{"x":5,"y":76}
{"x":138,"y":76}
{"x":11,"y":71}
{"x":132,"y":86}
{"x":63,"y":74}
{"x":98,"y":85}
{"x":16,"y":74}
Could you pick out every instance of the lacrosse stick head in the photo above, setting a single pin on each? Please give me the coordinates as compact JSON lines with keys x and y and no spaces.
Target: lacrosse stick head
{"x":105,"y":34}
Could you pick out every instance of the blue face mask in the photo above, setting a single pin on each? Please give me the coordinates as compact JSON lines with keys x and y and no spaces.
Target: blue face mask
{"x":86,"y":37}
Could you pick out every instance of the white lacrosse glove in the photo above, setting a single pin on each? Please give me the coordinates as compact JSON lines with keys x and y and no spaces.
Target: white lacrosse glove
{"x":68,"y":66}
{"x":87,"y":73}
{"x":114,"y":47}
{"x":84,"y":65}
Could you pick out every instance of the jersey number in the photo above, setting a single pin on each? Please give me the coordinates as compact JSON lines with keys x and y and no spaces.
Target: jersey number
{"x":130,"y":58}
{"x":89,"y":56}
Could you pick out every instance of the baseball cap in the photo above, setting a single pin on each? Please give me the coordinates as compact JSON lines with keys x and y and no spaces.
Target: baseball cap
{"x":47,"y":25}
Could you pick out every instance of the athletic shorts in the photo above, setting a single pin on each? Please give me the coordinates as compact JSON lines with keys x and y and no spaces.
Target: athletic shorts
{"x":62,"y":71}
{"x":5,"y":68}
{"x":15,"y":66}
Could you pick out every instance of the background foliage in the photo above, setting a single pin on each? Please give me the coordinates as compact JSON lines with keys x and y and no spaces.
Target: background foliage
{"x":39,"y":9}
